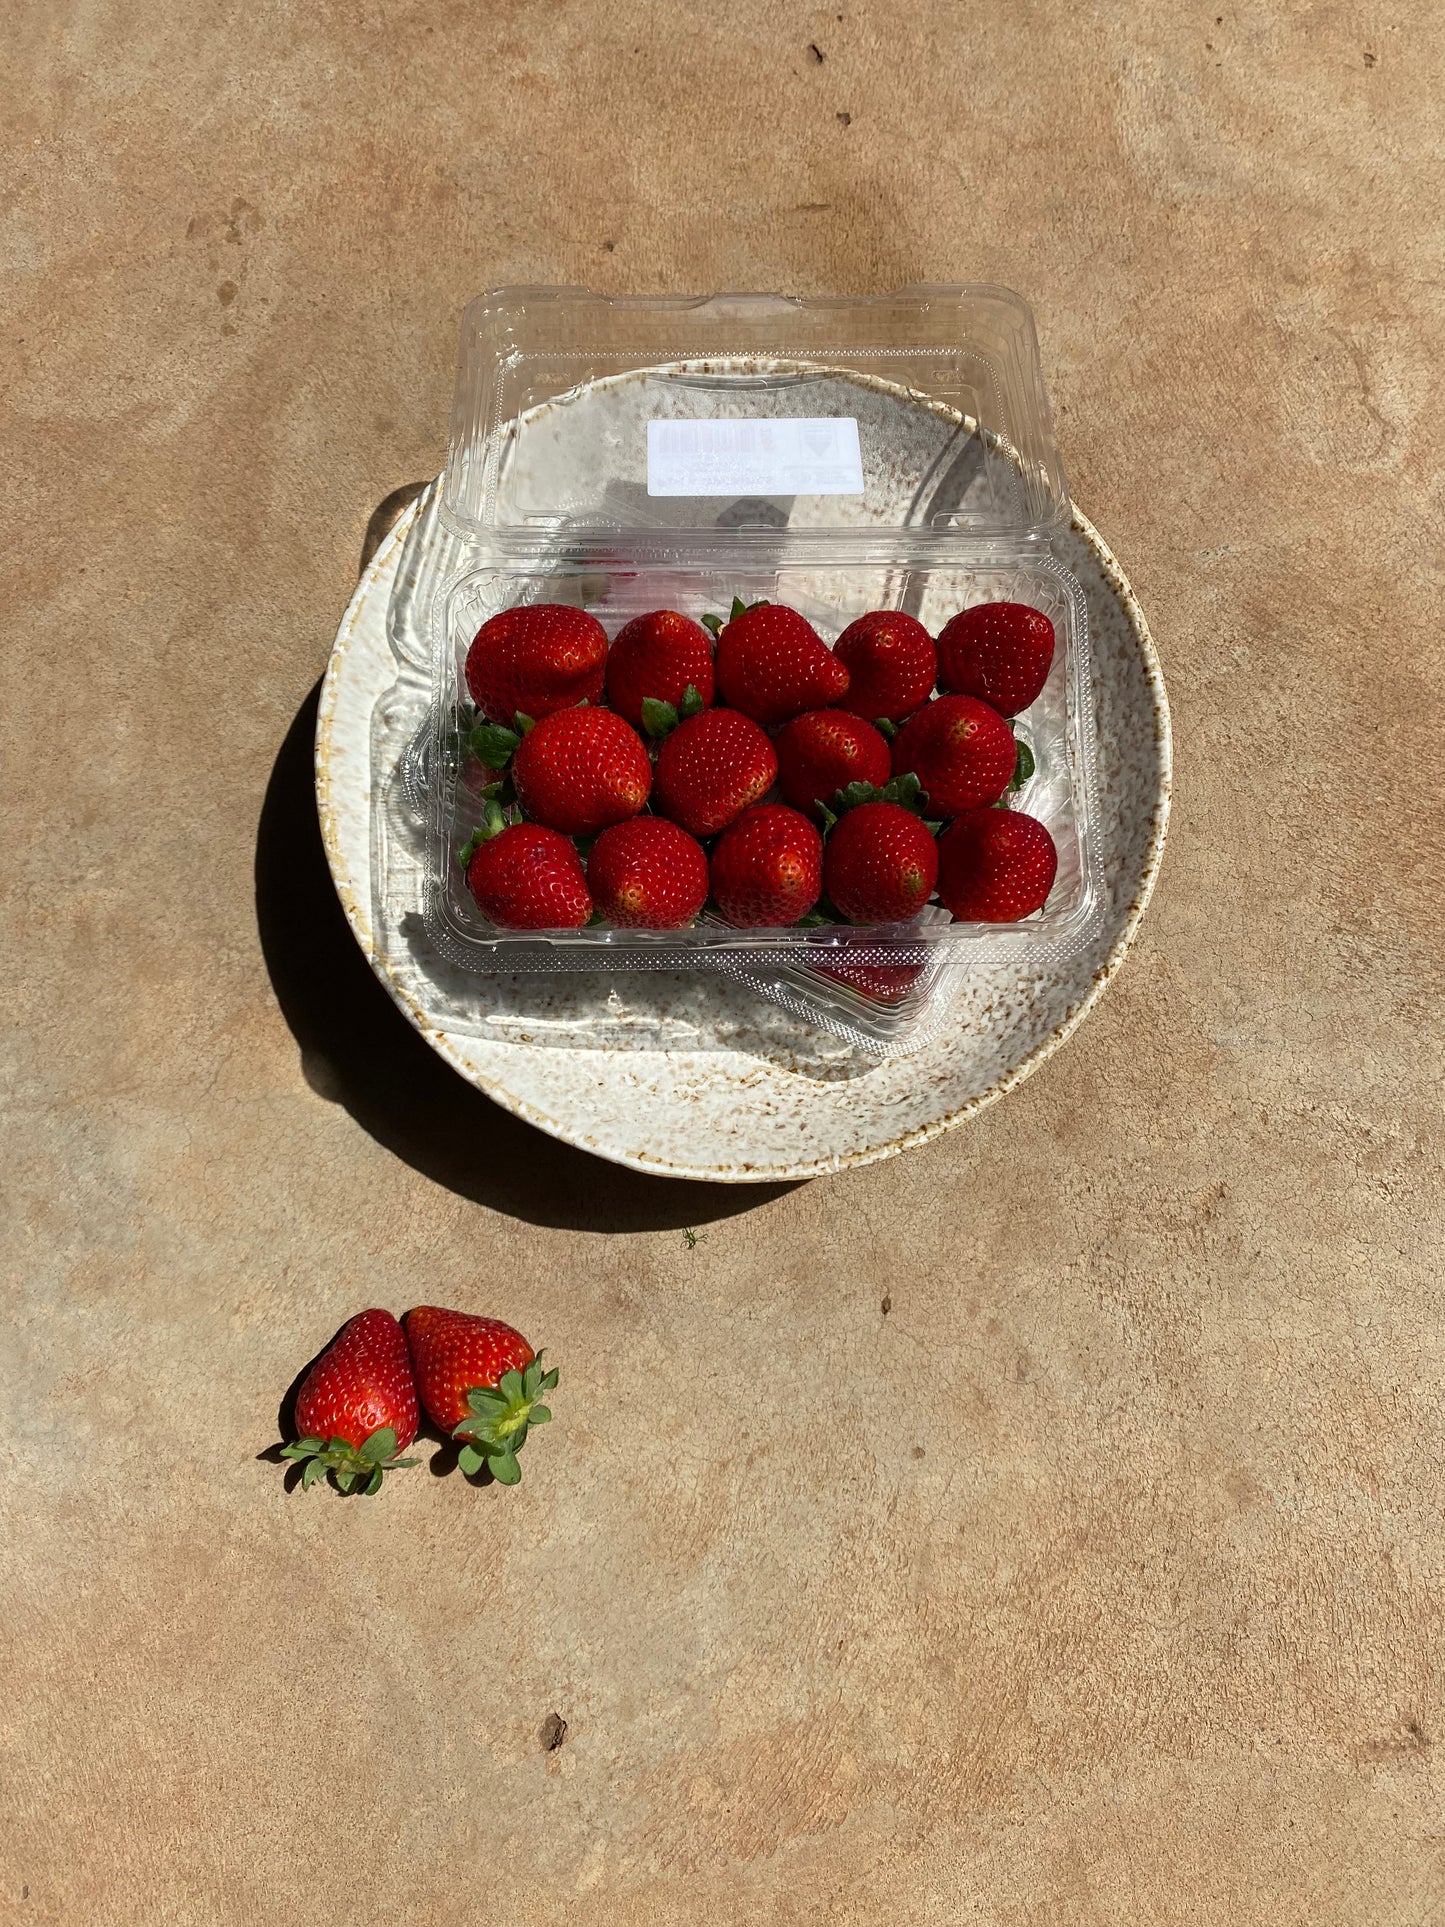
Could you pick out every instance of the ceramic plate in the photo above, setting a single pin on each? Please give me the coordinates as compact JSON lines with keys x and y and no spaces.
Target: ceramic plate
{"x":694,"y":1076}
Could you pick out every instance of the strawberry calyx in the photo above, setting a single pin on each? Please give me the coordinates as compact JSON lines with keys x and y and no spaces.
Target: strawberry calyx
{"x":905,"y":790}
{"x":716,"y":624}
{"x":500,"y":1417}
{"x":495,"y":745}
{"x":351,"y":1466}
{"x":659,"y":719}
{"x":1023,"y":766}
{"x":496,"y":819}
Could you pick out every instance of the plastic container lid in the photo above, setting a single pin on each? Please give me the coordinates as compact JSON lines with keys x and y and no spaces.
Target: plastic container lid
{"x":750,"y":400}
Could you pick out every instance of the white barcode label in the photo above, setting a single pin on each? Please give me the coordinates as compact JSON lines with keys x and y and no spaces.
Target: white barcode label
{"x":763,"y":455}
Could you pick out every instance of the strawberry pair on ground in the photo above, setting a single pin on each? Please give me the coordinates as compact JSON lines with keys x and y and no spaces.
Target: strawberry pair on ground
{"x":358,"y":1407}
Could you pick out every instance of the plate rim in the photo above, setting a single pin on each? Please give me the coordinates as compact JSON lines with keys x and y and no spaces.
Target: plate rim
{"x":440,"y":1040}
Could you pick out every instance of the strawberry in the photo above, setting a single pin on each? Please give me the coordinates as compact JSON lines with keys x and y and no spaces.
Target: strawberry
{"x":527,"y":877}
{"x":480,"y":1382}
{"x":580,"y":769}
{"x":881,"y":864}
{"x":772,"y":664}
{"x":891,"y":663}
{"x":1000,"y":651}
{"x":532,"y":660}
{"x":659,"y":658}
{"x":995,"y":866}
{"x":821,"y":752}
{"x":961,"y":751}
{"x":647,"y":874}
{"x":711,"y":768}
{"x":356,"y":1408}
{"x":767,"y":867}
{"x":885,"y":983}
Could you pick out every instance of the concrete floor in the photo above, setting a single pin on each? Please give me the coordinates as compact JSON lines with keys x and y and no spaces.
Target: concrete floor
{"x":1101,"y":1580}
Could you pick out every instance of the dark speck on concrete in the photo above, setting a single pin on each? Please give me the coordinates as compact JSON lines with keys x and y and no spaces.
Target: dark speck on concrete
{"x":554,"y":1731}
{"x":816,"y":51}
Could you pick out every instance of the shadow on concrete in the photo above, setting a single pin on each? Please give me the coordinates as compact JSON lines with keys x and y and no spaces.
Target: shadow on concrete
{"x":357,"y":1050}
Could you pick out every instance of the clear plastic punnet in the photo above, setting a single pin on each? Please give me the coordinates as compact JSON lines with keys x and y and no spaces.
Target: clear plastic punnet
{"x":836,"y":455}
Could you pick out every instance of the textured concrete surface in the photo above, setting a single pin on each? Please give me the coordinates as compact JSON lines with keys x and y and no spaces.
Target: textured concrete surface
{"x":1045,"y":1527}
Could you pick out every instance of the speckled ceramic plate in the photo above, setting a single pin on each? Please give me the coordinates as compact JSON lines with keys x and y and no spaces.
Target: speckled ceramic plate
{"x":694,"y":1076}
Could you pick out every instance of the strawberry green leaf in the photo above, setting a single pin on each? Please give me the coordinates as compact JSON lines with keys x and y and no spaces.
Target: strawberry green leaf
{"x":713,"y":624}
{"x":905,"y":789}
{"x":487,"y":1400}
{"x":346,"y":1480}
{"x":886,"y":728}
{"x":381,"y":1445}
{"x":373,"y":1484}
{"x":471,"y":1459}
{"x":524,"y":722}
{"x":739,"y":608}
{"x":505,"y":1469}
{"x":494,"y":744}
{"x":692,"y":703}
{"x":659,"y":719}
{"x":539,"y":1415}
{"x":1023,"y":767}
{"x":313,"y":1470}
{"x":830,"y":817}
{"x":469,"y":849}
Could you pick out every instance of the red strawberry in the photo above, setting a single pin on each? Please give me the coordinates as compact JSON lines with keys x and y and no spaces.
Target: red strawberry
{"x":356,"y":1408}
{"x":711,"y":768}
{"x":825,"y":750}
{"x":530,"y":878}
{"x":768,"y":867}
{"x":480,"y":1382}
{"x":772,"y":664}
{"x":1000,"y":651}
{"x":891,"y":662}
{"x":961,"y":751}
{"x":658,"y":657}
{"x":532,"y":660}
{"x":995,"y":866}
{"x":881,"y":864}
{"x":581,"y":769}
{"x":647,"y":874}
{"x":886,"y":983}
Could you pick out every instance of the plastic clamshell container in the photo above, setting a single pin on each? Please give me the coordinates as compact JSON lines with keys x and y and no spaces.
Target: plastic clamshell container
{"x":891,"y":451}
